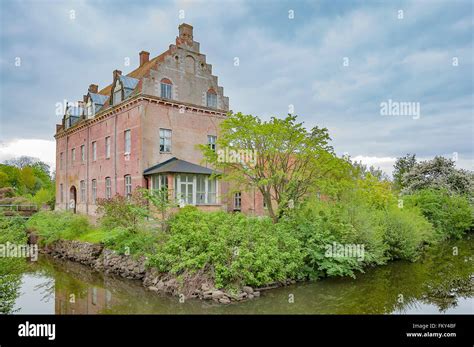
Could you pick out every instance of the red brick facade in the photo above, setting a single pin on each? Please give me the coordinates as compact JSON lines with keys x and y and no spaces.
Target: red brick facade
{"x":169,"y":92}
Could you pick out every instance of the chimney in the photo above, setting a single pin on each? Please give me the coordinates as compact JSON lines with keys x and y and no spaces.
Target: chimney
{"x":117,"y":73}
{"x":93,"y":88}
{"x":144,"y":57}
{"x":186,"y":32}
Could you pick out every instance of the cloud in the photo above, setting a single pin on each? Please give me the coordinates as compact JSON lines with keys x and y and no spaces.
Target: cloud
{"x":42,"y":149}
{"x":283,"y":61}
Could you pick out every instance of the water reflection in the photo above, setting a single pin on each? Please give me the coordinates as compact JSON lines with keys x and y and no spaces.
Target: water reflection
{"x":440,"y":283}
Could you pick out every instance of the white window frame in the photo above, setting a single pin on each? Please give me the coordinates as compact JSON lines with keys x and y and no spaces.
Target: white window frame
{"x":94,"y":150}
{"x":73,"y":155}
{"x":108,"y":188}
{"x":94,"y":191}
{"x":83,"y":153}
{"x":211,"y":100}
{"x":208,"y":193}
{"x":128,"y":185}
{"x":117,"y":94}
{"x":238,"y":201}
{"x":165,"y":140}
{"x":82,"y":186}
{"x":159,"y":182}
{"x":127,"y":141}
{"x":108,"y":144}
{"x":211,"y":142}
{"x":166,"y":90}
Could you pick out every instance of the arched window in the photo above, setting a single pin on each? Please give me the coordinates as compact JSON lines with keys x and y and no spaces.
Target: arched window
{"x":166,"y":88}
{"x":211,"y":98}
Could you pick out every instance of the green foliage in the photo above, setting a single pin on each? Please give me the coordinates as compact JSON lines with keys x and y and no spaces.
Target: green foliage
{"x":405,"y":233}
{"x":12,"y":230}
{"x":438,"y":173}
{"x":44,"y":197}
{"x":287,"y":159}
{"x":401,"y":167}
{"x":124,"y":241}
{"x":30,"y":178}
{"x":125,"y":212}
{"x":451,"y":215}
{"x":52,"y":226}
{"x":160,"y":199}
{"x":236,"y":249}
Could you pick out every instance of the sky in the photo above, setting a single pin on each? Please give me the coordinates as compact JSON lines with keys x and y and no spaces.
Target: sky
{"x":332,"y":63}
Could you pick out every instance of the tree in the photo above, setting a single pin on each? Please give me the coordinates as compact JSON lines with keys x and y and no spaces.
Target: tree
{"x":161,"y":201}
{"x":279,"y":157}
{"x":24,"y":160}
{"x":438,"y":173}
{"x":401,"y":167}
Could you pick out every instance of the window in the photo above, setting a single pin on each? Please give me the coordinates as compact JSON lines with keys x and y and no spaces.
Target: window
{"x":117,"y":94}
{"x":165,"y":140}
{"x":128,"y":185}
{"x":211,"y":98}
{"x":83,"y":153}
{"x":212,"y":191}
{"x":107,"y":147}
{"x":61,"y":160}
{"x":108,"y":188}
{"x":94,"y":151}
{"x":237,"y":201}
{"x":160,"y":182}
{"x":211,"y":141}
{"x":83,"y":191}
{"x":89,"y":109}
{"x":166,"y":88}
{"x":128,"y":143}
{"x":201,"y":189}
{"x":61,"y":193}
{"x":73,"y":154}
{"x":94,"y":191}
{"x":196,"y":189}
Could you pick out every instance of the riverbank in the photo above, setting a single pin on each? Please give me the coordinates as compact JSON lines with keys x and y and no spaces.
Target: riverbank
{"x":439,"y":283}
{"x":99,"y":258}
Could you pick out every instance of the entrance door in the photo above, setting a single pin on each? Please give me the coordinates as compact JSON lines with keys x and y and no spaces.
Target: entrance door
{"x":72,"y":199}
{"x":186,"y":185}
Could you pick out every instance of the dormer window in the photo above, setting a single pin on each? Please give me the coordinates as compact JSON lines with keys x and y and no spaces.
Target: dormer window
{"x":89,"y":109}
{"x":211,"y":98}
{"x":166,"y":88}
{"x":117,"y":93}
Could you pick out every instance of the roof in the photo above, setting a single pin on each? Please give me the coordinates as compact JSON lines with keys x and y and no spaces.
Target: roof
{"x":74,"y":111}
{"x":129,"y":82}
{"x":179,"y":166}
{"x":98,"y":98}
{"x":139,"y":72}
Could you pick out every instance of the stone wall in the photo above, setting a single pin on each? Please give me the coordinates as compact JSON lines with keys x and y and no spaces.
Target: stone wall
{"x":197,"y":285}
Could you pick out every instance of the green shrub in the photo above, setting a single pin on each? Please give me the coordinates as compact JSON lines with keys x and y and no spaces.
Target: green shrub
{"x":53,"y":225}
{"x":451,"y":215}
{"x":120,"y":211}
{"x":237,"y":250}
{"x":320,"y":225}
{"x":405,"y":233}
{"x":124,"y":241}
{"x":12,"y":230}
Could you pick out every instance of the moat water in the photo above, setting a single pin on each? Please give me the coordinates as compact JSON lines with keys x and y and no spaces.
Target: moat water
{"x":441,"y":282}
